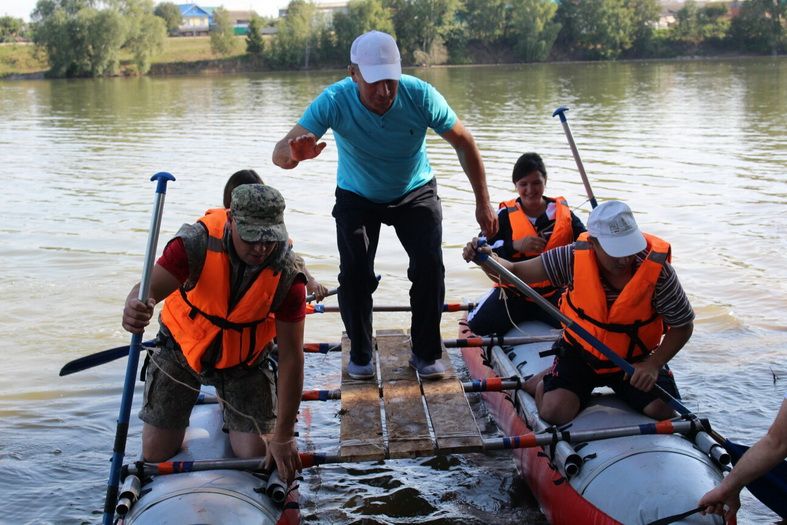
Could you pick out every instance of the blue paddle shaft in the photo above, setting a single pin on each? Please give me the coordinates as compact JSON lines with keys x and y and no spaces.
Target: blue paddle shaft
{"x":121,"y":432}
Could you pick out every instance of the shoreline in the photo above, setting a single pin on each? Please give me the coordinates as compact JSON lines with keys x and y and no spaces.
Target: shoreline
{"x":247,"y":64}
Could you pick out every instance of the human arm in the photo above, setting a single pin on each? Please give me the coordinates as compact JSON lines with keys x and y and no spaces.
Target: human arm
{"x":760,"y":458}
{"x":314,"y":287}
{"x":136,"y":314}
{"x":299,"y":144}
{"x":545,"y":225}
{"x":530,"y":245}
{"x":530,"y":271}
{"x":501,"y":242}
{"x":646,"y":372}
{"x":464,"y":144}
{"x":282,"y":448}
{"x":670,"y":302}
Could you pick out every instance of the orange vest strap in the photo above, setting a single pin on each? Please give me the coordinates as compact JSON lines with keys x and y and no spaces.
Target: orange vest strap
{"x":221,"y":322}
{"x":631,"y":327}
{"x":196,"y":318}
{"x":521,"y":227}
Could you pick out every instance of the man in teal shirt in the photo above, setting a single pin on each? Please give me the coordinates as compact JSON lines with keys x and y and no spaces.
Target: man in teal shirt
{"x":379,"y":118}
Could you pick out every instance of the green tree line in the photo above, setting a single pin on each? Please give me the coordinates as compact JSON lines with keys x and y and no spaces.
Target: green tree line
{"x":84,"y":37}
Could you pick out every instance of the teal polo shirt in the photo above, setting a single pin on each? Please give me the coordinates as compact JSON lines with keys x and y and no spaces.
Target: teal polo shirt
{"x":381,"y":157}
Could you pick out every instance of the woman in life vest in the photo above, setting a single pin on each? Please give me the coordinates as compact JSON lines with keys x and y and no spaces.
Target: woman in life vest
{"x":621,"y":288}
{"x":529,"y":225}
{"x":231,"y":285}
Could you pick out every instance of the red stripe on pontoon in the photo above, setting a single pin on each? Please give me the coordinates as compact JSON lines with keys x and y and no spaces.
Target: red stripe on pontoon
{"x":560,"y":503}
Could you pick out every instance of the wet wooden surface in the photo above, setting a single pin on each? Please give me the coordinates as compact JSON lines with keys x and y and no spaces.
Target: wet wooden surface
{"x":361,"y":434}
{"x":419,"y":417}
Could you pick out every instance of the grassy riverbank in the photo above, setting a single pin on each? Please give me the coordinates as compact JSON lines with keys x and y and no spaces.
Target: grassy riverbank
{"x":185,"y":56}
{"x":179,"y":54}
{"x":21,"y":59}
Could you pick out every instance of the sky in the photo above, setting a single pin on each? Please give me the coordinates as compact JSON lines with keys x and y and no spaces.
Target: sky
{"x":23,"y":8}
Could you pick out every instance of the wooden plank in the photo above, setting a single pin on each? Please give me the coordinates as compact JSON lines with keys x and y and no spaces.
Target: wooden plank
{"x":406,"y":423}
{"x":361,"y":432}
{"x":449,"y":412}
{"x":393,"y":354}
{"x":346,"y":379}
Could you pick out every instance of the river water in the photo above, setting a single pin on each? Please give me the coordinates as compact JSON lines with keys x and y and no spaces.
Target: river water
{"x":697,"y":148}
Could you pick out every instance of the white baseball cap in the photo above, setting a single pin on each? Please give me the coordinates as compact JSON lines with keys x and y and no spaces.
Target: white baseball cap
{"x":613,"y":224}
{"x":377,"y":57}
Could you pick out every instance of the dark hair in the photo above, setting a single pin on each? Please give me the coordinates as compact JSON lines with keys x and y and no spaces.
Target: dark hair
{"x":239,"y":178}
{"x":526,"y":164}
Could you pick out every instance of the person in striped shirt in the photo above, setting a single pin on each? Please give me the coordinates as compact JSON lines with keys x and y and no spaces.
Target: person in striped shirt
{"x":621,"y":288}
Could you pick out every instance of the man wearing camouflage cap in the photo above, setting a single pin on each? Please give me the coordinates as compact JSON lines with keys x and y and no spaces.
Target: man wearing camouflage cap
{"x":222,"y":277}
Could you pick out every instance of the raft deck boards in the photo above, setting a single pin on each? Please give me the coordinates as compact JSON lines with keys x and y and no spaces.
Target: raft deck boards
{"x":408,"y":429}
{"x":409,"y":406}
{"x":361,"y":434}
{"x":454,"y":426}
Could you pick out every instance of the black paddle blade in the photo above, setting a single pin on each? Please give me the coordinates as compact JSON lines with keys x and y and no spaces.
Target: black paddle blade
{"x":99,"y":358}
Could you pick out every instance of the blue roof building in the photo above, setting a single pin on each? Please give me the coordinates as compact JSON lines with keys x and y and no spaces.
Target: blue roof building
{"x":195,"y":20}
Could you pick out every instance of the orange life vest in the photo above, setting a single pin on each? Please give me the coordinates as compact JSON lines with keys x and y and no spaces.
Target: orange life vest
{"x":630,"y":327}
{"x":196,"y":317}
{"x":521,"y":227}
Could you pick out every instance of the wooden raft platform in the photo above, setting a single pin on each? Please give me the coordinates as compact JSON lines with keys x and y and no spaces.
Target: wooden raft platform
{"x":396,"y":415}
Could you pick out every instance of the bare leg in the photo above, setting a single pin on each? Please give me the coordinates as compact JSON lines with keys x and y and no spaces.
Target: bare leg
{"x":160,"y":444}
{"x":557,"y":406}
{"x":530,"y":385}
{"x":658,"y":409}
{"x":247,"y":444}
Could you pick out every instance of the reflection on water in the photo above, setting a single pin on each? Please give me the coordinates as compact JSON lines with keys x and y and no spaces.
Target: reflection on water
{"x":696,"y":147}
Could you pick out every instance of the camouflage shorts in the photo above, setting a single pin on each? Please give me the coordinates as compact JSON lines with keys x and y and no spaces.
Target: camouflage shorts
{"x":248,"y":395}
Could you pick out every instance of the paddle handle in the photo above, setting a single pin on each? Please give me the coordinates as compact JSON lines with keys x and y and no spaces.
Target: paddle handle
{"x":121,"y":432}
{"x":491,"y":264}
{"x":311,"y":297}
{"x":333,"y":291}
{"x":561,"y":112}
{"x":155,"y":226}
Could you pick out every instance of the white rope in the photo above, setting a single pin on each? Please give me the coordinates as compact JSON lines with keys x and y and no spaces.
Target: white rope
{"x":221,"y":400}
{"x":504,"y":296}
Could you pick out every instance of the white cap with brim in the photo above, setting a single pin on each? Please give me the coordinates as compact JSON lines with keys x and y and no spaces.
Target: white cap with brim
{"x":613,"y":224}
{"x":377,"y":57}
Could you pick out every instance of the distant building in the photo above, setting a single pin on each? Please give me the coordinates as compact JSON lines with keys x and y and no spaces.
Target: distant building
{"x":325,"y":9}
{"x":669,"y":10}
{"x":241,"y":20}
{"x":195,"y":20}
{"x":198,"y":20}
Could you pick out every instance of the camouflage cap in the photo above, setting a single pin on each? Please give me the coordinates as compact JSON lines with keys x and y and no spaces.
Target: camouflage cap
{"x":258,"y":212}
